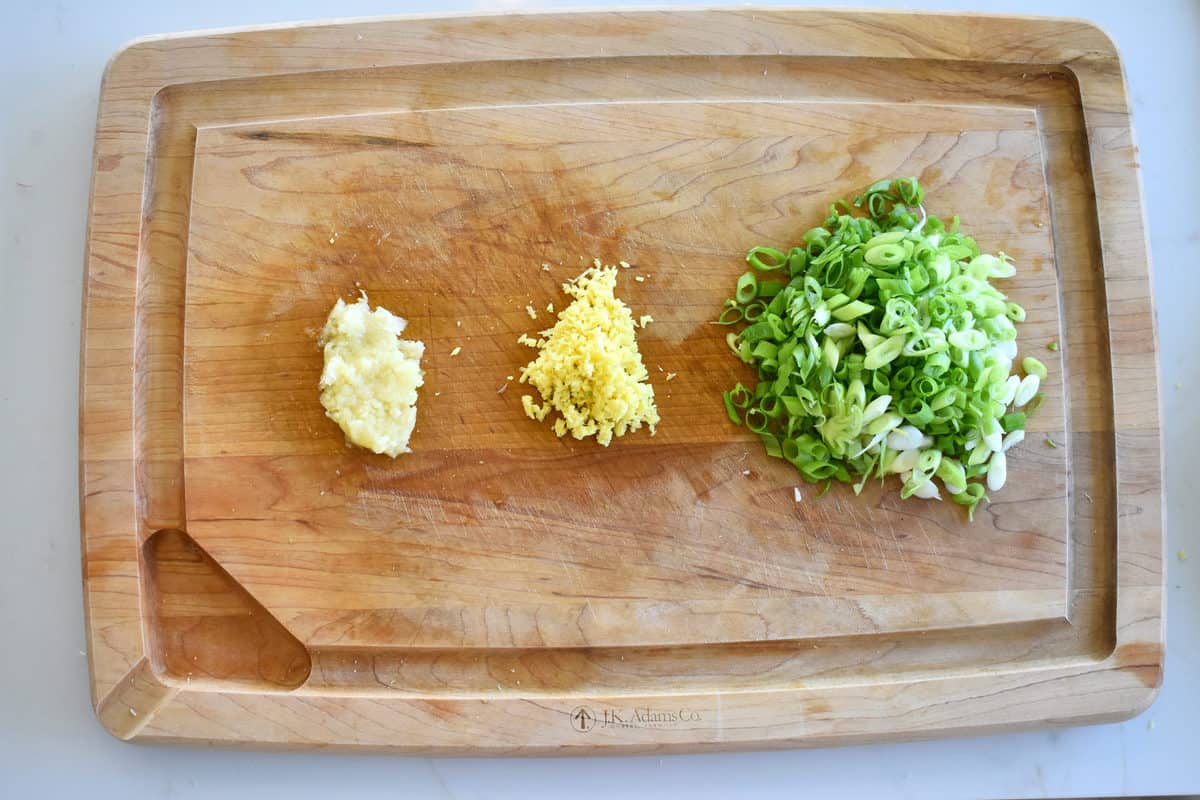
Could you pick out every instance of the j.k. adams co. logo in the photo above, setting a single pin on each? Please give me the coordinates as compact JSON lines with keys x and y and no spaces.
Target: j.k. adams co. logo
{"x":584,"y":718}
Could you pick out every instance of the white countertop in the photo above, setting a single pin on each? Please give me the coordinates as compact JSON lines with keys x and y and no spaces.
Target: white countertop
{"x":52,"y":746}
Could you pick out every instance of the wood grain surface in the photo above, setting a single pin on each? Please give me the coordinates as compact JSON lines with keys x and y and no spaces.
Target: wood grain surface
{"x":251,"y":579}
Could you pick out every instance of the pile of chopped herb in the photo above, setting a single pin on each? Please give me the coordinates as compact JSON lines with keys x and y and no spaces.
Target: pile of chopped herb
{"x":882,"y":347}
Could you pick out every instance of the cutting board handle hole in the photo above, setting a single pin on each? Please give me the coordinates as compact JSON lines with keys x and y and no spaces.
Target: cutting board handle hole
{"x":203,"y":627}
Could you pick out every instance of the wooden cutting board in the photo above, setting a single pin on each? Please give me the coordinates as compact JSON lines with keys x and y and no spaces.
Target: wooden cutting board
{"x":251,"y":579}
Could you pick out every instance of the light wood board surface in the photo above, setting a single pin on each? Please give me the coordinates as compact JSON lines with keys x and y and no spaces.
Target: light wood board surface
{"x":251,"y":579}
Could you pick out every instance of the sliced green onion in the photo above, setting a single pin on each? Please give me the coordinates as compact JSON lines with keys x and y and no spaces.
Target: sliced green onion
{"x":766,"y":258}
{"x":747,"y":288}
{"x":1034,"y":367}
{"x":1011,"y":384}
{"x":1013,"y":422}
{"x":952,"y":475}
{"x":924,"y":386}
{"x":740,"y":396}
{"x":797,"y":261}
{"x":771,"y":443}
{"x":884,"y":353}
{"x":970,"y":497}
{"x":839,"y":330}
{"x":771,"y":406}
{"x":1012,"y":439}
{"x":768,"y":289}
{"x":852,"y":310}
{"x":997,"y":472}
{"x":884,"y":349}
{"x":731,"y":316}
{"x":885,"y":255}
{"x":969,"y":340}
{"x":891,"y":237}
{"x":910,"y":190}
{"x":756,"y":420}
{"x":731,"y":409}
{"x":903,"y":376}
{"x":1026,"y":390}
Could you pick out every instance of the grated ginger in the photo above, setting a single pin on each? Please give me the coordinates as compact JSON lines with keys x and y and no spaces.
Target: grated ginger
{"x":588,"y":367}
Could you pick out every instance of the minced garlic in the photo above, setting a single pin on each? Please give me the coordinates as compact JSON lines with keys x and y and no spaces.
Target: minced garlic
{"x":371,"y":376}
{"x":588,"y":367}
